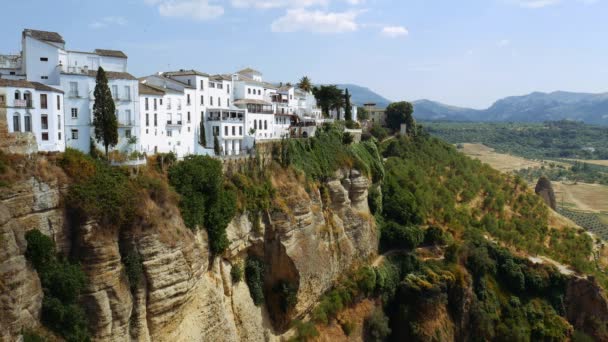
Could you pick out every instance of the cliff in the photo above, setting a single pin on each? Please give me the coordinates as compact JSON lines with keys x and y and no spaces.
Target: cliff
{"x":185,"y":293}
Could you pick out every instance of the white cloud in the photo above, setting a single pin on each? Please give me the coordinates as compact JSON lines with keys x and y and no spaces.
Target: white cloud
{"x":108,"y":21}
{"x":195,"y":9}
{"x":266,"y":4}
{"x":316,"y":21}
{"x":395,"y":31}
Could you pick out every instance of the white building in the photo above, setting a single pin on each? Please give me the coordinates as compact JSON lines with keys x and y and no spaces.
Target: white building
{"x":44,"y":59}
{"x":36,"y":108}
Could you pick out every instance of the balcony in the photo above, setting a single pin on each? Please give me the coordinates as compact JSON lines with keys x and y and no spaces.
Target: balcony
{"x":73,"y":94}
{"x":174,"y":123}
{"x":126,"y":123}
{"x":23,"y":104}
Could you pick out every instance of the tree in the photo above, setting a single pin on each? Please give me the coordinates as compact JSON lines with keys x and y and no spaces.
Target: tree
{"x":362,"y":114}
{"x":216,"y":145}
{"x":203,"y":136}
{"x":400,"y":113}
{"x":104,"y":113}
{"x":305,"y":84}
{"x":348,"y":110}
{"x":328,"y":97}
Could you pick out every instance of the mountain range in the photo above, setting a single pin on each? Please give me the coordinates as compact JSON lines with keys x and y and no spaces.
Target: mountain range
{"x":534,"y":107}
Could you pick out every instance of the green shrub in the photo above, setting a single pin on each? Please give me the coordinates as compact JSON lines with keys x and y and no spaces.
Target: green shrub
{"x":347,"y":138}
{"x":379,"y":132}
{"x":205,"y":199}
{"x":62,"y":283}
{"x":31,"y":336}
{"x":236,"y":273}
{"x":376,"y":326}
{"x":435,"y":236}
{"x":396,"y":236}
{"x":347,"y":327}
{"x":133,"y":268}
{"x":254,"y":276}
{"x":304,"y":331}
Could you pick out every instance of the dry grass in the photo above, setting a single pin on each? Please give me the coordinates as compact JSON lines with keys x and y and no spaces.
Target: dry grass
{"x":499,"y":161}
{"x":354,"y":315}
{"x":594,"y":162}
{"x":582,"y":196}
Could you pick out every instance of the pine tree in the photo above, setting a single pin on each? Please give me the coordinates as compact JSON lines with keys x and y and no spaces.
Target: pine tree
{"x":348,"y":110}
{"x":203,"y":136}
{"x":105,"y":122}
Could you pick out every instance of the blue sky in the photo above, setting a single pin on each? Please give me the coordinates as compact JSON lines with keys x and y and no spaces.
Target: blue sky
{"x":467,"y":52}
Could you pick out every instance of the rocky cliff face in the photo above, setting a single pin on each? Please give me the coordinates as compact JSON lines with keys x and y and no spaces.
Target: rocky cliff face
{"x":185,"y":295}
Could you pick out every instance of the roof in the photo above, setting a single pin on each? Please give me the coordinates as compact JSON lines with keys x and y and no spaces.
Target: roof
{"x":26,"y":84}
{"x":252,"y":101}
{"x":114,"y":75}
{"x":44,"y":35}
{"x":267,"y":85}
{"x":183,"y":72}
{"x":148,"y":90}
{"x":44,"y":87}
{"x":183,"y":84}
{"x":110,"y":53}
{"x":249,"y":71}
{"x":221,"y":78}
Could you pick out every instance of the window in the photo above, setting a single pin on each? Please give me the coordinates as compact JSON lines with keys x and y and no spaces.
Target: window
{"x":73,"y":89}
{"x":44,"y":59}
{"x":44,"y":121}
{"x":74,"y":113}
{"x":45,"y":78}
{"x":74,"y":134}
{"x":259,"y":92}
{"x":202,"y":86}
{"x":59,"y":136}
{"x":211,"y":85}
{"x":128,"y":134}
{"x":128,"y":117}
{"x":227,"y":102}
{"x":219,"y":101}
{"x":16,"y":123}
{"x":255,"y":124}
{"x":168,"y":103}
{"x":228,"y":88}
{"x":216,"y":131}
{"x":260,"y":123}
{"x":248,"y":90}
{"x":226,"y":130}
{"x":211,"y":100}
{"x":127,"y":93}
{"x":265,"y":124}
{"x":17,"y":95}
{"x":188,"y":81}
{"x":188,"y":99}
{"x":147,"y":104}
{"x":240,"y":130}
{"x":59,"y":122}
{"x":115,"y":91}
{"x":27,"y":123}
{"x":58,"y":102}
{"x":220,"y":86}
{"x":233,"y":130}
{"x":160,"y":101}
{"x":45,"y":136}
{"x":147,"y":120}
{"x":169,"y":133}
{"x":179,"y":104}
{"x":155,"y":120}
{"x":202,"y":99}
{"x":155,"y":104}
{"x":188,"y":117}
{"x":43,"y":104}
{"x":2,"y":100}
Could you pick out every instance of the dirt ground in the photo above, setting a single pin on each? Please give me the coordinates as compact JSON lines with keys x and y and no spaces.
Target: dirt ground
{"x":582,"y":196}
{"x":499,"y":161}
{"x":595,"y":162}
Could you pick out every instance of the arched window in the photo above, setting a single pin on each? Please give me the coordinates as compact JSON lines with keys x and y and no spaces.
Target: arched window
{"x":17,"y":95}
{"x":27,"y":96}
{"x":16,"y":122}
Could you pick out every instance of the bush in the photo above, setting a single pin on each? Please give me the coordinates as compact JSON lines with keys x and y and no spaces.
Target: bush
{"x":30,"y":336}
{"x":347,"y":328}
{"x":62,"y":283}
{"x":254,"y":275}
{"x":376,"y":326}
{"x":304,"y":331}
{"x":205,"y":199}
{"x":347,"y":138}
{"x":133,"y":268}
{"x":236,"y":273}
{"x":394,"y":235}
{"x":435,"y":236}
{"x":378,"y":132}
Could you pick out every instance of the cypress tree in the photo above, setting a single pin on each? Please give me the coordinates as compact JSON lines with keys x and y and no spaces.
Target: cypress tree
{"x":348,"y":110}
{"x":105,"y":122}
{"x":216,"y":145}
{"x":203,"y":137}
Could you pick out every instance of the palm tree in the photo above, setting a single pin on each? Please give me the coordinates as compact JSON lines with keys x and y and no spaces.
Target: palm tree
{"x":305,"y":84}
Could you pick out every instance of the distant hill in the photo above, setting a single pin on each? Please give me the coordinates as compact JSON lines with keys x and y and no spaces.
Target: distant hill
{"x":361,"y":95}
{"x":534,"y":107}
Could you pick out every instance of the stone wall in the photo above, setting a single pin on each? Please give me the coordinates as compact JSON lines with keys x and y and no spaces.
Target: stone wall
{"x":21,"y":143}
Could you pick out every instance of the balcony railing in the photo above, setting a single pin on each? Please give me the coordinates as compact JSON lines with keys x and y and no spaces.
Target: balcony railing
{"x":73,"y":94}
{"x":228,"y":119}
{"x":23,"y":103}
{"x":174,"y":123}
{"x":126,"y":123}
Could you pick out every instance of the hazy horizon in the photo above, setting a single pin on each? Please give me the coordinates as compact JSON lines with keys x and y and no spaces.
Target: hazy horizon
{"x":467,"y":55}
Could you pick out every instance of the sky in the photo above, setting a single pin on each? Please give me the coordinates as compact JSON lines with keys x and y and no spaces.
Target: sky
{"x":460,"y":52}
